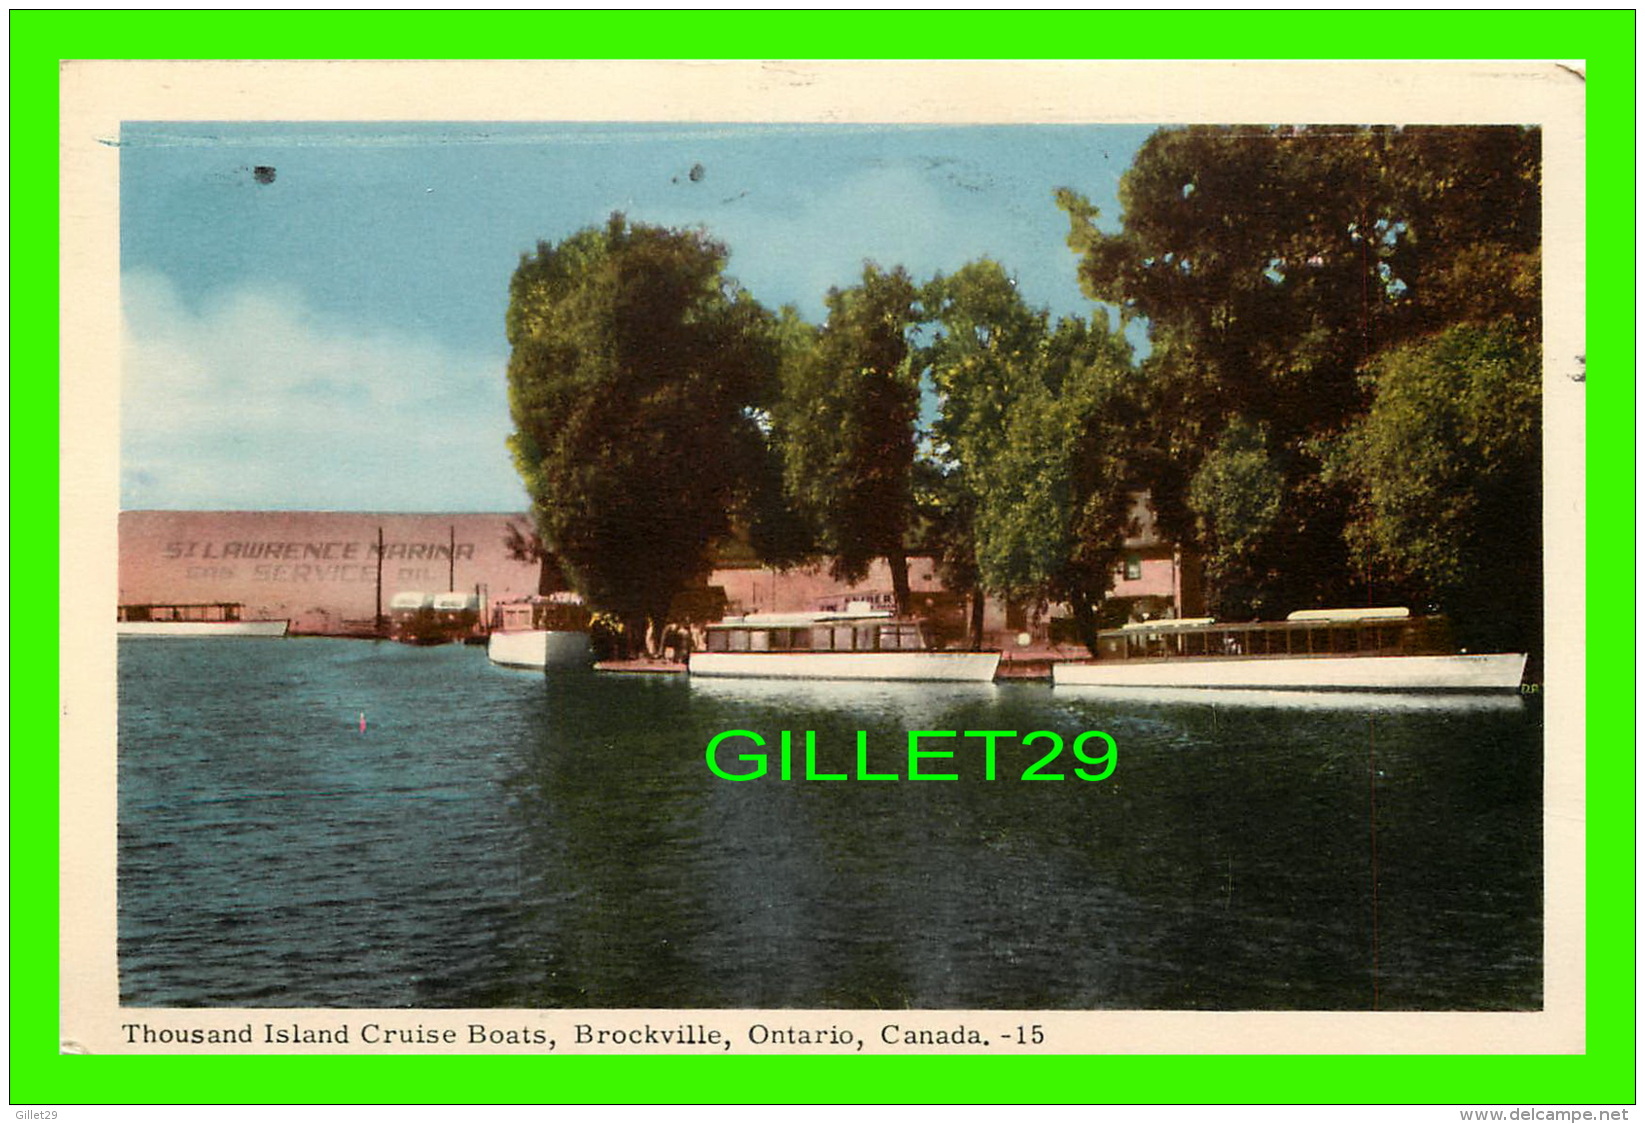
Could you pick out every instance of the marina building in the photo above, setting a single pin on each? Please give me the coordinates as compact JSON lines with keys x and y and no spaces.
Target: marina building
{"x":320,"y":570}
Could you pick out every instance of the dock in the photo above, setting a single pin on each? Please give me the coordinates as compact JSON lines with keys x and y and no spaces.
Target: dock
{"x":1025,"y":670}
{"x":641,"y":666}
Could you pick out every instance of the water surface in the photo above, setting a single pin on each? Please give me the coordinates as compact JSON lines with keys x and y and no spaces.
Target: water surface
{"x":504,"y":839}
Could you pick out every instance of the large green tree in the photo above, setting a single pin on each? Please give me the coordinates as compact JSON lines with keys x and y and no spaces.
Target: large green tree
{"x":1272,"y":265}
{"x":986,"y":349}
{"x":845,"y":422}
{"x":1447,"y":468}
{"x":1055,"y":501}
{"x":1035,"y":434}
{"x":635,"y":362}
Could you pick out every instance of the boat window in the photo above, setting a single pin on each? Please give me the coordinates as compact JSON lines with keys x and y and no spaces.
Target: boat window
{"x":842,"y":639}
{"x":900,"y":637}
{"x":865,"y":638}
{"x":1147,"y":644}
{"x":739,"y":640}
{"x":759,"y":640}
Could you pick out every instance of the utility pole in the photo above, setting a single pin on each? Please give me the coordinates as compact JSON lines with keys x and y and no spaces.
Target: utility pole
{"x":451,"y":560}
{"x":379,"y":621}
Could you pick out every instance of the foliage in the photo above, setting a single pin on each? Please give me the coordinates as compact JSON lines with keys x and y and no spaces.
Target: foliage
{"x":1447,"y":463}
{"x":1031,"y":435}
{"x":1236,"y":496}
{"x":985,"y":352}
{"x":1339,"y":398}
{"x":845,"y":422}
{"x":635,"y":362}
{"x":527,"y":546}
{"x":1272,"y":265}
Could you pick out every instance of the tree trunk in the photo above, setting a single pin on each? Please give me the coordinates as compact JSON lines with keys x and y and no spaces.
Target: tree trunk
{"x":898,"y":561}
{"x":1085,"y":620}
{"x":978,"y":602}
{"x":634,"y":636}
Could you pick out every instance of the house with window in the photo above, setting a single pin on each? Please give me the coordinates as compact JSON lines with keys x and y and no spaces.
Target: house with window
{"x":1155,"y":578}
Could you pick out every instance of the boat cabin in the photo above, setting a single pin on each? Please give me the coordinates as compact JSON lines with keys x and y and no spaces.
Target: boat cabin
{"x":456,"y":613}
{"x":818,"y":632}
{"x":1309,"y":632}
{"x":555,"y":612}
{"x":214,"y":611}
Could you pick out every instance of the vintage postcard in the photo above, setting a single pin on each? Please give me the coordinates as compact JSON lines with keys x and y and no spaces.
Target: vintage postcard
{"x":793,"y":557}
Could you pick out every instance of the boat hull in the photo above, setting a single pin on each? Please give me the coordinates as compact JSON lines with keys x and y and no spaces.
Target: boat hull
{"x":186,"y":629}
{"x":1493,"y":672}
{"x":540,"y":648}
{"x":951,"y":667}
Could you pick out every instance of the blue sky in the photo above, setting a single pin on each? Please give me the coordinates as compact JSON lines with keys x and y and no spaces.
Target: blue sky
{"x":328,"y":333}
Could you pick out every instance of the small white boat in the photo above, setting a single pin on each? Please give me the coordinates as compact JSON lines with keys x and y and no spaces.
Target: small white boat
{"x":221,"y":618}
{"x":856,"y":644}
{"x":540,"y":648}
{"x":1312,"y":650}
{"x":540,"y":633}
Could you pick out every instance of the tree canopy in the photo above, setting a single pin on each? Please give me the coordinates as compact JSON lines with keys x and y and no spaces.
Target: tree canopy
{"x":1273,"y":267}
{"x":845,"y":422}
{"x":1032,"y":434}
{"x":635,"y":361}
{"x":1340,"y":401}
{"x":1447,"y":465}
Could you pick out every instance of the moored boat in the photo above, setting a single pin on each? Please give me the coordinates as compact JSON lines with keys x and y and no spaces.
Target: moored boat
{"x":433,"y":618}
{"x":1383,"y":649}
{"x":222,"y":618}
{"x":540,"y":633}
{"x":855,"y":644}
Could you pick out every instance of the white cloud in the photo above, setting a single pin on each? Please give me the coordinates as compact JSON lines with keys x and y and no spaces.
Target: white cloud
{"x":258,"y":400}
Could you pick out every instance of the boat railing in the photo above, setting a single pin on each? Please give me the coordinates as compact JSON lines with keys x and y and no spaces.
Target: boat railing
{"x":215,"y":611}
{"x":1415,"y":636}
{"x":844,"y":635}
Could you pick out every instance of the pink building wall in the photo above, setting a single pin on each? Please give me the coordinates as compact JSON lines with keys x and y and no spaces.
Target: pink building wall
{"x":801,"y":589}
{"x":317,"y":569}
{"x":1158,"y":580}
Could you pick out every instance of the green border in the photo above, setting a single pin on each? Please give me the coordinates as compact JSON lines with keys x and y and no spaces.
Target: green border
{"x":1603,"y":1075}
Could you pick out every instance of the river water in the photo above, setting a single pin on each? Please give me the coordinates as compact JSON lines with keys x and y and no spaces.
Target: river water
{"x":498,"y":838}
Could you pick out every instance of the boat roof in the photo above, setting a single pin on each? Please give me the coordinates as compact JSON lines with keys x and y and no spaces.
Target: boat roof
{"x":562,"y":597}
{"x":409,"y":600}
{"x":1385,"y":613}
{"x":797,"y":620}
{"x":456,"y":600}
{"x":180,"y":604}
{"x":1301,"y":616}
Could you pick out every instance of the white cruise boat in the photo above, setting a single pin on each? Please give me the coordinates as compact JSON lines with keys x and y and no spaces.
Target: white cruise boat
{"x":855,"y":644}
{"x":1383,"y":649}
{"x":181,"y":621}
{"x":540,"y":633}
